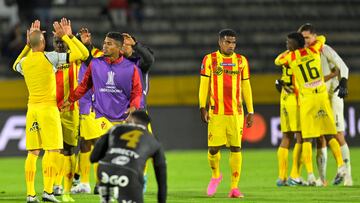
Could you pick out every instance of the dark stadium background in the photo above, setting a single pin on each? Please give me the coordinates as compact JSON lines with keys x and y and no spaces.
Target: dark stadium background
{"x":181,"y":32}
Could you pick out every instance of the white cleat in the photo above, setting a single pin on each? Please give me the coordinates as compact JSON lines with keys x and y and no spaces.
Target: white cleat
{"x":32,"y":199}
{"x":348,"y":180}
{"x":341,"y":173}
{"x":58,"y":190}
{"x":46,"y":197}
{"x":82,"y":188}
{"x":311,"y":180}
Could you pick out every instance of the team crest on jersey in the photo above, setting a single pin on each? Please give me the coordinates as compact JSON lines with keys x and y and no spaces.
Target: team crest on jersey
{"x":218,"y":71}
{"x":103,"y":125}
{"x":110,"y":80}
{"x":35,"y":127}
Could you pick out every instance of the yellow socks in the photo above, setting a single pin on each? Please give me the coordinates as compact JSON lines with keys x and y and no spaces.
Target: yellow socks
{"x":59,"y":165}
{"x":295,"y":173}
{"x":282,"y":155}
{"x":69,"y":168}
{"x":30,"y":169}
{"x":96,"y":166}
{"x":49,"y":170}
{"x":307,"y":156}
{"x":84,"y":167}
{"x":214,"y":161}
{"x":335,"y":148}
{"x":235,"y":165}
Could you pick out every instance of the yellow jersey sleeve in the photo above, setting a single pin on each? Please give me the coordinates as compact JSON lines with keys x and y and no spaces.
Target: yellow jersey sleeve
{"x":317,"y":46}
{"x":281,"y":59}
{"x":247,"y":95}
{"x":205,"y":69}
{"x":75,"y":53}
{"x":23,"y":53}
{"x":84,"y":51}
{"x":245,"y":72}
{"x":205,"y":73}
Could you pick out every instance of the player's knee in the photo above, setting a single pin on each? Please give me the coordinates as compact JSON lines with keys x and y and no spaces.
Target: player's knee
{"x":85,"y":145}
{"x":35,"y":152}
{"x":235,"y":149}
{"x":328,"y":138}
{"x":341,"y":139}
{"x":68,"y":150}
{"x":213,"y":150}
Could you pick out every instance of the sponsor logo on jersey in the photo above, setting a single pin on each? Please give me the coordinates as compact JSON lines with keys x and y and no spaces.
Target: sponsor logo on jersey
{"x":120,"y":160}
{"x":121,"y":181}
{"x":227,"y":64}
{"x":125,"y":152}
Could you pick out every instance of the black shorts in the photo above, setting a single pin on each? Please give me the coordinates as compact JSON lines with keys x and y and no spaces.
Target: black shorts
{"x":130,"y":183}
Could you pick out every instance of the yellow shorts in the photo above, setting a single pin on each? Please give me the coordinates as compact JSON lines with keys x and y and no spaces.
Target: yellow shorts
{"x":70,"y":126}
{"x":105,"y":125}
{"x":316,"y":115}
{"x":43,"y":127}
{"x":225,"y":130}
{"x":89,"y":128}
{"x":289,"y":113}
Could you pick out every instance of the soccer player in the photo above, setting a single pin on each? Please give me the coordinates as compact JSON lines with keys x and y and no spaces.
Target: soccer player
{"x":116,"y":84}
{"x":331,"y":62}
{"x":315,"y":111}
{"x":43,"y":125}
{"x":89,"y":132}
{"x":290,"y":127}
{"x":122,"y":154}
{"x":144,"y":58}
{"x":225,"y":78}
{"x":66,"y":82}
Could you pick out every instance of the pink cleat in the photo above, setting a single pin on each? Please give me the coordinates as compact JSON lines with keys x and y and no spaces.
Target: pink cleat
{"x":214,"y":182}
{"x":235,"y":193}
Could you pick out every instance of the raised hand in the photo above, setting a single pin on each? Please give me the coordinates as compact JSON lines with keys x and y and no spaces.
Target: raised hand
{"x":85,"y":36}
{"x":128,"y":40}
{"x":58,"y":30}
{"x":34,"y":26}
{"x":66,"y":24}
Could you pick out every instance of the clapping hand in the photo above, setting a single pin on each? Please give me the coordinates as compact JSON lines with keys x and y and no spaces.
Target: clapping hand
{"x":66,"y":24}
{"x":58,"y":30}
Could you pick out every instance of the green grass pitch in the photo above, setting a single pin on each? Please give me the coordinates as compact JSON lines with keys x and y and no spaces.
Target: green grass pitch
{"x":188,"y":176}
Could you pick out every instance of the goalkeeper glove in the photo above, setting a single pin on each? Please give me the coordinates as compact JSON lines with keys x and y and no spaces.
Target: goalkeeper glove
{"x":343,"y":91}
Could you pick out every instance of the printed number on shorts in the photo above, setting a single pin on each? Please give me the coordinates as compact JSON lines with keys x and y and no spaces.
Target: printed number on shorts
{"x":312,"y":72}
{"x":132,"y":137}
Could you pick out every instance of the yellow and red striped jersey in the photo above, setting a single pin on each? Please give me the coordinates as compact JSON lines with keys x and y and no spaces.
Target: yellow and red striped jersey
{"x":226,"y":75}
{"x":66,"y":82}
{"x":305,"y":64}
{"x":67,"y":79}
